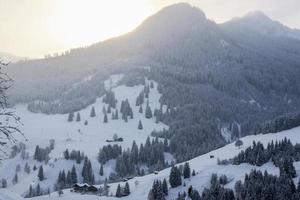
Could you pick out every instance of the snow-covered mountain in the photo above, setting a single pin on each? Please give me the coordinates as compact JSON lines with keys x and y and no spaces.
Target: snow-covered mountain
{"x":194,"y":84}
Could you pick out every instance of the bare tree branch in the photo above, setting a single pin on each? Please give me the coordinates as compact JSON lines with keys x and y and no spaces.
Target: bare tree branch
{"x":9,"y":121}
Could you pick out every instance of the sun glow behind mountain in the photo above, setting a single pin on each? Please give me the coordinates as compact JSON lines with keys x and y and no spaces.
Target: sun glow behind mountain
{"x":37,"y":27}
{"x":83,"y":22}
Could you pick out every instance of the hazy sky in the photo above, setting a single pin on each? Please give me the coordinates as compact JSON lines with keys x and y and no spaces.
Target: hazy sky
{"x":34,"y":28}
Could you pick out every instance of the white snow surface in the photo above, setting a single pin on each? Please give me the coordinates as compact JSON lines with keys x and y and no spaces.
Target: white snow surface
{"x":40,"y":128}
{"x":226,"y":134}
{"x":204,"y":167}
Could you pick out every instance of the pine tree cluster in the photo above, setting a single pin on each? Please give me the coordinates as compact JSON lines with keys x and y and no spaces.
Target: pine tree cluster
{"x":258,"y":185}
{"x":158,"y":114}
{"x":70,"y":117}
{"x":41,"y":154}
{"x":280,"y":123}
{"x":37,"y":191}
{"x":140,"y":99}
{"x":151,"y":154}
{"x":87,"y":172}
{"x":126,"y":110}
{"x":159,"y":190}
{"x":123,"y":191}
{"x":175,"y":177}
{"x":148,"y":111}
{"x":188,"y":138}
{"x":110,"y":99}
{"x":282,"y":154}
{"x":74,"y":155}
{"x":109,"y":152}
{"x":19,"y":148}
{"x":66,"y":180}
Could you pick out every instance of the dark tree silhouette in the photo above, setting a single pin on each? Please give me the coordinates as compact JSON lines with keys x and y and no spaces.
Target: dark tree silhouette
{"x":9,"y":122}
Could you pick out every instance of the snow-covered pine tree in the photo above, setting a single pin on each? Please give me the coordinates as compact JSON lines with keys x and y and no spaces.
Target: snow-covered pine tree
{"x":108,"y":109}
{"x":126,"y":189}
{"x":73,"y":175}
{"x":175,"y":177}
{"x":186,"y":170}
{"x":151,"y":84}
{"x":117,"y":114}
{"x":148,"y":112}
{"x":4,"y":183}
{"x":165,"y":187}
{"x":287,"y":168}
{"x":66,"y":154}
{"x":140,"y":126}
{"x":105,"y":119}
{"x":193,"y":173}
{"x":27,"y":168}
{"x":70,"y":117}
{"x":30,"y":192}
{"x":68,"y":178}
{"x":157,"y":190}
{"x":130,"y":113}
{"x":38,"y":190}
{"x":93,"y":112}
{"x":15,"y":179}
{"x":78,"y":118}
{"x":41,"y":173}
{"x":119,"y":191}
{"x":141,"y":109}
{"x":101,"y":170}
{"x":150,"y":195}
{"x":87,"y":172}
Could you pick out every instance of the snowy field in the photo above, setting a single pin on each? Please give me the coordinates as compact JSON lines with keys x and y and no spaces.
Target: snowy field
{"x":204,"y":167}
{"x":40,"y":128}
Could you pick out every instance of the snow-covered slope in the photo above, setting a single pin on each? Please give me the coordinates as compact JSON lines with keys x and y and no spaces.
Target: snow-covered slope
{"x":204,"y":167}
{"x":40,"y":128}
{"x":9,"y":195}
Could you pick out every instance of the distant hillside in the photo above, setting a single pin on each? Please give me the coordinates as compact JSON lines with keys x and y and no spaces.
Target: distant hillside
{"x":213,"y":77}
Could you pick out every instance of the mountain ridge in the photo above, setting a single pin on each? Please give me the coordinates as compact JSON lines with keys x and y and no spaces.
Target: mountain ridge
{"x":258,"y":21}
{"x":235,"y":76}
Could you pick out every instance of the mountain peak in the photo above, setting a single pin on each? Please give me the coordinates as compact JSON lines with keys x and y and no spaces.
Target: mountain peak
{"x":257,"y":15}
{"x":177,"y":19}
{"x":259,"y":22}
{"x":176,"y":15}
{"x":181,"y":9}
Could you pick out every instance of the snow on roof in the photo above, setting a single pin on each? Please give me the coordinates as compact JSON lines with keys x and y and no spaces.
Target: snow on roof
{"x":82,"y":184}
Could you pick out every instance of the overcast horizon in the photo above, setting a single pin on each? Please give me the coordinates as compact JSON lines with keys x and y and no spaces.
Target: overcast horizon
{"x":36,"y":28}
